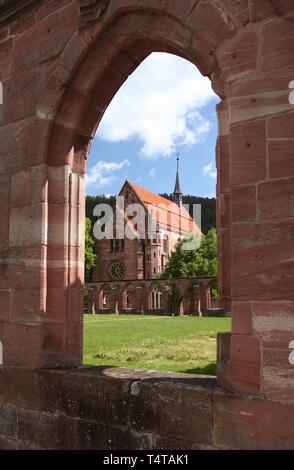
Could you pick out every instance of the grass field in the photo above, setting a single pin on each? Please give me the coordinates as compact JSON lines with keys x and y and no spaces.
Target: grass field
{"x":181,"y":344}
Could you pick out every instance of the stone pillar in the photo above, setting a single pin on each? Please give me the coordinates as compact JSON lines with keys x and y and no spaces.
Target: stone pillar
{"x":197,"y":303}
{"x":204,"y":296}
{"x":65,"y":267}
{"x":223,"y":212}
{"x":261,"y":178}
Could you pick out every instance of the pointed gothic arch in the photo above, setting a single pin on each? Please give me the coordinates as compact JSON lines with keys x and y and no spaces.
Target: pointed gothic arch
{"x":244,"y":47}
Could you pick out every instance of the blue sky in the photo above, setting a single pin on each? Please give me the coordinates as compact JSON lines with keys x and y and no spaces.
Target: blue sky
{"x":164,"y":108}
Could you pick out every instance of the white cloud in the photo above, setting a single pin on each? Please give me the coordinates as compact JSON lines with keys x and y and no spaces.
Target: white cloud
{"x":101,"y":174}
{"x":152,"y":173}
{"x":160,"y":105}
{"x":210,"y":170}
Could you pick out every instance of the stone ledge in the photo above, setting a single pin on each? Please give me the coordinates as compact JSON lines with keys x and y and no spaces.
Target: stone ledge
{"x":113,"y":408}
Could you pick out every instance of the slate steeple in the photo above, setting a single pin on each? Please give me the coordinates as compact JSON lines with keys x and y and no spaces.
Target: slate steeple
{"x":178,"y":195}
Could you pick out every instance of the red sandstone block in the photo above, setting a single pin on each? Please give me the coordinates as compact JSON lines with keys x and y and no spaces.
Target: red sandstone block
{"x":261,"y":266}
{"x":261,"y":9}
{"x":61,"y":145}
{"x":57,"y":255}
{"x":77,"y":188}
{"x":56,"y":306}
{"x":225,"y":210}
{"x":223,"y":349}
{"x":281,"y":161}
{"x":6,"y":46}
{"x":25,"y":21}
{"x":276,"y":45}
{"x":95,"y":62}
{"x":245,"y":377}
{"x":278,"y":380}
{"x":28,"y":304}
{"x":248,"y":152}
{"x":225,"y":262}
{"x":281,"y":126}
{"x":4,"y":211}
{"x":23,"y":92}
{"x":176,"y":9}
{"x":244,"y":204}
{"x":54,"y":334}
{"x":51,"y":7}
{"x":259,"y":105}
{"x":28,"y":186}
{"x":26,"y":225}
{"x":245,"y":348}
{"x":79,"y":160}
{"x":14,"y":153}
{"x":22,"y":344}
{"x":274,"y":323}
{"x":124,"y":64}
{"x":38,"y":147}
{"x":58,"y":184}
{"x":43,"y":430}
{"x":45,"y":40}
{"x":239,"y":55}
{"x":58,"y":215}
{"x":105,"y":90}
{"x":71,"y":107}
{"x":127,"y":27}
{"x":8,"y":420}
{"x":223,"y":159}
{"x":285,"y":7}
{"x":4,"y":33}
{"x":239,"y":9}
{"x":249,"y":424}
{"x":21,"y":273}
{"x":56,"y":274}
{"x":241,"y":318}
{"x":5,"y":304}
{"x":170,"y":31}
{"x":275,"y":199}
{"x":212,"y":23}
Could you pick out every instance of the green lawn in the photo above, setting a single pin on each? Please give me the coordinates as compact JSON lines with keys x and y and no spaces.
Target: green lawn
{"x":182,"y":344}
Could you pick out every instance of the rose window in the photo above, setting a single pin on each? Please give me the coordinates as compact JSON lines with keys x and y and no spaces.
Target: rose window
{"x":117,"y":270}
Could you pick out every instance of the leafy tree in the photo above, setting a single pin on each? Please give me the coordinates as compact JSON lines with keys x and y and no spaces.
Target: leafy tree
{"x":201,"y":262}
{"x":90,"y":256}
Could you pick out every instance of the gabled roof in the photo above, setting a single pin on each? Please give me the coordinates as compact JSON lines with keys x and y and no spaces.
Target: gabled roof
{"x":166,"y":212}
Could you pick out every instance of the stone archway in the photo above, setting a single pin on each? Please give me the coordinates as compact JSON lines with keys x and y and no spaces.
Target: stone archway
{"x":244,"y":47}
{"x":104,"y":298}
{"x":130,"y":298}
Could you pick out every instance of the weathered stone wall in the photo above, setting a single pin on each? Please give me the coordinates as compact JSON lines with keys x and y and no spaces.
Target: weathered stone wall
{"x":179,"y":296}
{"x":60,"y":66}
{"x":108,"y":408}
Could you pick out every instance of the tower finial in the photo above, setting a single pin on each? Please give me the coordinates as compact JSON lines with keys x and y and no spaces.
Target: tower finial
{"x":178,"y":195}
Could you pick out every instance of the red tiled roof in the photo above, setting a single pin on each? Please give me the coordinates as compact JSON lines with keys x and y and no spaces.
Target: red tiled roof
{"x":167,"y":212}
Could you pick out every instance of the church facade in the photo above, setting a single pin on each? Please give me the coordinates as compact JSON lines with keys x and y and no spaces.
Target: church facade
{"x":144,"y":256}
{"x":126,"y":277}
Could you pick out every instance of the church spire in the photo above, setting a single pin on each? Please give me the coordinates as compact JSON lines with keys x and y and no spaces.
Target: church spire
{"x":178,"y":195}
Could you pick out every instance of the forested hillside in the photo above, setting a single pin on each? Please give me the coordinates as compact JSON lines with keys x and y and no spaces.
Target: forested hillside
{"x":208,"y":207}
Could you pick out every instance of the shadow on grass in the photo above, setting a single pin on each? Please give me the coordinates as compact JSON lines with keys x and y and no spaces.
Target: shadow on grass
{"x":209,"y":369}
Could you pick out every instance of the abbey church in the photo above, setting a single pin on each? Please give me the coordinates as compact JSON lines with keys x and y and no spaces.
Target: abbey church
{"x":145,"y":257}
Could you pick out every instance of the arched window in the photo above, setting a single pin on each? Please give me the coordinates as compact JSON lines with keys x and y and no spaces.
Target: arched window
{"x":156,"y":298}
